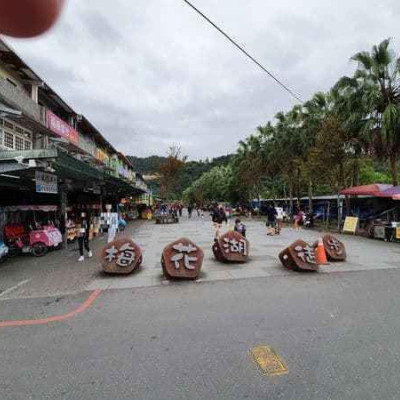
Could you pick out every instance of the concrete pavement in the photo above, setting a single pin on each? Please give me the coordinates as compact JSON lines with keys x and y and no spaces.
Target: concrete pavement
{"x":59,"y":273}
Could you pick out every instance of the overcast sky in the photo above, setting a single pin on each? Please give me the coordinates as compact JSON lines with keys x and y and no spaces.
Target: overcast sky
{"x":149,"y":73}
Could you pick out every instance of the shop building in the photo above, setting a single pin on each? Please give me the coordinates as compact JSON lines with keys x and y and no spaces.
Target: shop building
{"x":51,"y":156}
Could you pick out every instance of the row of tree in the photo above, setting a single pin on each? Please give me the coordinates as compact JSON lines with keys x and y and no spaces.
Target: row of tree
{"x":323,"y":145}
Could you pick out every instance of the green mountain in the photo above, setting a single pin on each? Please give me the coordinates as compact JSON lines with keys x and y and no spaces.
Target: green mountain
{"x":190,"y":173}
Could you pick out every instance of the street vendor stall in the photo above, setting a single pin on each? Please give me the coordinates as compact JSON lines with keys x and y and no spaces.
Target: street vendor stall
{"x":383,"y":218}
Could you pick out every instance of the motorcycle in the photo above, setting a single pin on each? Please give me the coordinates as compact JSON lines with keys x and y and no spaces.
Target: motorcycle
{"x":309,"y":220}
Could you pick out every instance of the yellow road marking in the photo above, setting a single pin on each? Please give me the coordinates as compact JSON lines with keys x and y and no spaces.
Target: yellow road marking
{"x":268,"y":361}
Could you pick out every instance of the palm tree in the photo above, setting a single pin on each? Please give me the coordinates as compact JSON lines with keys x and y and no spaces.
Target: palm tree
{"x":377,"y":81}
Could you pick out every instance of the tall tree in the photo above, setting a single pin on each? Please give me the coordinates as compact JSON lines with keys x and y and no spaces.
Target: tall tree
{"x":377,"y":80}
{"x":170,"y":169}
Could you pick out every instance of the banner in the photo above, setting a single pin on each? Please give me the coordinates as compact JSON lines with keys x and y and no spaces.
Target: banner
{"x":46,"y":183}
{"x":61,"y":128}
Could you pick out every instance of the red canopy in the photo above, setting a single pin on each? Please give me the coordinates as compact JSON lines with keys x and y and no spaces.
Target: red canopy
{"x":366,"y":190}
{"x":391,"y":192}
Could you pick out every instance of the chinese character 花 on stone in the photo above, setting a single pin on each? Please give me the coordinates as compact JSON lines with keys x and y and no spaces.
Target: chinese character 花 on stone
{"x":182,"y":259}
{"x":121,"y":256}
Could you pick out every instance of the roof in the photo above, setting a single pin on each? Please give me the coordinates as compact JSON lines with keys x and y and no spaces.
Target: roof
{"x":15,"y":62}
{"x":86,"y":126}
{"x":373,"y":190}
{"x":393,"y":191}
{"x":125,"y":159}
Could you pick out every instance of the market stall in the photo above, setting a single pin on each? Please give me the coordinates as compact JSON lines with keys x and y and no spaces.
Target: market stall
{"x":383,"y":222}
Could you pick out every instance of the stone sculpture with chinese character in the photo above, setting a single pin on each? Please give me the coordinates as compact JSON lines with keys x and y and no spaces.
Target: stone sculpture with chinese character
{"x":182,"y":259}
{"x":231,"y":247}
{"x":334,"y":248}
{"x":299,"y":256}
{"x":121,"y":256}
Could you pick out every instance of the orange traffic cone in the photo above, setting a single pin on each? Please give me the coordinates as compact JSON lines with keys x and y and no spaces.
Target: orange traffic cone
{"x":320,"y":253}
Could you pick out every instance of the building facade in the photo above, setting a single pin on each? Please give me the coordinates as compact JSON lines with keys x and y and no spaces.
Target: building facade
{"x":51,"y":155}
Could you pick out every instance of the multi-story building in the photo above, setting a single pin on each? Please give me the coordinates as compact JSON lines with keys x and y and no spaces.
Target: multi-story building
{"x":51,"y":154}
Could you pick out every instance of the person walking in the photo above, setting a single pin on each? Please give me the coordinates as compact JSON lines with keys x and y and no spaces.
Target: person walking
{"x":271,"y":219}
{"x":83,"y":238}
{"x":218,"y":216}
{"x":190,"y":210}
{"x":279,"y":219}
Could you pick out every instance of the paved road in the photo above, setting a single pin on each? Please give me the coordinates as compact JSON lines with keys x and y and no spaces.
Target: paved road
{"x":338,"y":334}
{"x":337,"y":330}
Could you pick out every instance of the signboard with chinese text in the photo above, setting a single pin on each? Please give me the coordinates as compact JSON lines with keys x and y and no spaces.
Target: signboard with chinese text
{"x":231,"y":247}
{"x":350,"y":224}
{"x":182,"y":259}
{"x":121,"y":256}
{"x":46,"y":183}
{"x":61,"y":128}
{"x":299,"y":256}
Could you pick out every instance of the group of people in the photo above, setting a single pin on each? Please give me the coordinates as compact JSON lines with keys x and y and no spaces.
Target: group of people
{"x":275,"y":216}
{"x":219,"y":216}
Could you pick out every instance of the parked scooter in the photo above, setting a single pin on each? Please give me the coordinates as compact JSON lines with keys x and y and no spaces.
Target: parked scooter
{"x":309,"y":220}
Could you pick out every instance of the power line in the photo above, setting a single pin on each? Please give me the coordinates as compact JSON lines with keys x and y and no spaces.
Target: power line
{"x":244,"y":51}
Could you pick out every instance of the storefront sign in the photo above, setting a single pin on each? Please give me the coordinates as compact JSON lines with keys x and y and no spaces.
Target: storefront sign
{"x":350,"y":224}
{"x":102,"y":156}
{"x":123,"y":172}
{"x":61,"y":128}
{"x":46,"y":183}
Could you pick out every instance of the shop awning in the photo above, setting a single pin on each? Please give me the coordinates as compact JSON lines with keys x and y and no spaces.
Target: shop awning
{"x":366,"y":190}
{"x":391,"y":192}
{"x":45,"y":208}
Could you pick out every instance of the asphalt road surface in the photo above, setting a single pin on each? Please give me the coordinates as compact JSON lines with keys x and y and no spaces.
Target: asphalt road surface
{"x":338,"y":333}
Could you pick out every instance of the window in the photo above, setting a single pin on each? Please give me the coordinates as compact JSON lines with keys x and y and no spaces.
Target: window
{"x":19,"y":143}
{"x":14,"y":136}
{"x":8,"y":125}
{"x":9,"y":140}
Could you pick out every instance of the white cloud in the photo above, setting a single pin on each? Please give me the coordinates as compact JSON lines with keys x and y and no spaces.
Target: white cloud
{"x":151,"y":72}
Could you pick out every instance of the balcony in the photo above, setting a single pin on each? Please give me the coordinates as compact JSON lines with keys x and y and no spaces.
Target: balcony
{"x":19,"y":99}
